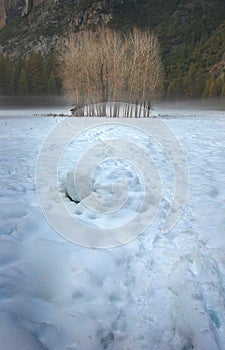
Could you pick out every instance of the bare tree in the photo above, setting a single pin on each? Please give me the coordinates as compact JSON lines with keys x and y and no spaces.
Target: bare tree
{"x":144,"y":72}
{"x":104,"y":68}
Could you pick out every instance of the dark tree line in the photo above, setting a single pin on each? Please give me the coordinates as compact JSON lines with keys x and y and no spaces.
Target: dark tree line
{"x":34,"y":76}
{"x":39,"y":75}
{"x":196,"y":83}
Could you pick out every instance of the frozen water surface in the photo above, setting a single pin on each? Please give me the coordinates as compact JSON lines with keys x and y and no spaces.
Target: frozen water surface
{"x":160,"y":291}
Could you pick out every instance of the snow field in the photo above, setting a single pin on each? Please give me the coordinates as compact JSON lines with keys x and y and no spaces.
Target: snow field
{"x":160,"y":291}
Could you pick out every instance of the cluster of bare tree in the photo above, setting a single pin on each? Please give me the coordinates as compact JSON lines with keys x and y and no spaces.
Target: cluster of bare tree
{"x":107,"y":73}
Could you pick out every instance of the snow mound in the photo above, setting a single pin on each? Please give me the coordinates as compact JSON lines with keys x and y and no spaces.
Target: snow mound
{"x":107,"y":197}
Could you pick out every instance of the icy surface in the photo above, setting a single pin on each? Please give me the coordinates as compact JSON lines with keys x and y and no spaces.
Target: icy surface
{"x":159,"y":292}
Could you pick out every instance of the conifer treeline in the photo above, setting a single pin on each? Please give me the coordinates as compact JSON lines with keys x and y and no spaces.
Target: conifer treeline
{"x":34,"y":76}
{"x":39,"y":75}
{"x":196,"y":83}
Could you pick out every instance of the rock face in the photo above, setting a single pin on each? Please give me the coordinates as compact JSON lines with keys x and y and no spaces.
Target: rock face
{"x":47,"y":21}
{"x":10,"y":9}
{"x":2,"y":14}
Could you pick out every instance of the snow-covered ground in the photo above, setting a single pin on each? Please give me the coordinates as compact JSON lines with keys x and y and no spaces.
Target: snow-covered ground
{"x":160,"y":291}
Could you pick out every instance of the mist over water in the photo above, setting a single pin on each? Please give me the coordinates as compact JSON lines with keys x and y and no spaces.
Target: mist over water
{"x":33,"y":101}
{"x":210,"y":104}
{"x":11,"y":106}
{"x":28,"y":106}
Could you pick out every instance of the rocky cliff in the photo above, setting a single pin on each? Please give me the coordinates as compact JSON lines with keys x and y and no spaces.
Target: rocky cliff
{"x":10,"y":9}
{"x":2,"y":14}
{"x":37,"y":25}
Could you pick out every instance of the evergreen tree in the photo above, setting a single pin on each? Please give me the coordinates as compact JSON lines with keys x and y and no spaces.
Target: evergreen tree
{"x":219,"y":86}
{"x":190,"y":81}
{"x":6,"y":76}
{"x":52,"y":90}
{"x":175,"y":88}
{"x":18,"y":66}
{"x":207,"y":87}
{"x":37,"y":78}
{"x":50,"y":71}
{"x":212,"y":87}
{"x":200,"y":82}
{"x":223,"y":87}
{"x":22,"y":85}
{"x":1,"y":75}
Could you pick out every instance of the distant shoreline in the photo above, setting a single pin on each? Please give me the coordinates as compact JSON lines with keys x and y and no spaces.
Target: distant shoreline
{"x":35,"y":101}
{"x":64,"y":101}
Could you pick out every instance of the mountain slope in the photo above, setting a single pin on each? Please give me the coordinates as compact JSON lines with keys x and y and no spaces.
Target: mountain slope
{"x":191,"y":32}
